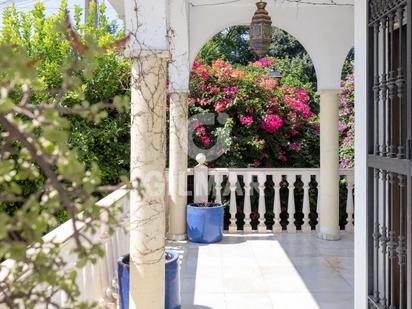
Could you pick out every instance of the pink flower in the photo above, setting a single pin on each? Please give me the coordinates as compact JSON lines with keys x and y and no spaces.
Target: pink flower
{"x":205,"y":140}
{"x":296,"y":146}
{"x":302,"y":95}
{"x":267,"y":83}
{"x":196,"y":65}
{"x":204,"y":74}
{"x":271,"y":123}
{"x":298,"y":106}
{"x":213,"y":90}
{"x":283,"y":157}
{"x":220,"y":107}
{"x":264,"y":62}
{"x":220,"y":64}
{"x":246,"y":120}
{"x":238,"y":74}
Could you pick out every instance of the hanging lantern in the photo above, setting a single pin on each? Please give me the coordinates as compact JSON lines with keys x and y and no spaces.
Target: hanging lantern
{"x":261,"y":30}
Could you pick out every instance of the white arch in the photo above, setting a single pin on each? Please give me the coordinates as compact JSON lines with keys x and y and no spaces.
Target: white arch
{"x":325,"y":32}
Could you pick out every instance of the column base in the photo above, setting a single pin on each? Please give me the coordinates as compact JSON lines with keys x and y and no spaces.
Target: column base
{"x":180,"y":237}
{"x":330,"y":237}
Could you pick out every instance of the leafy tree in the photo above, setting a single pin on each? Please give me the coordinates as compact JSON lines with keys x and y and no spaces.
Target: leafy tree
{"x":57,"y":82}
{"x":106,"y":142}
{"x":348,"y":66}
{"x":232,"y":45}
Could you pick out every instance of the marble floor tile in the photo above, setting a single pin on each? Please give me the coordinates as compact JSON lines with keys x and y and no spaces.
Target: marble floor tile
{"x":282,"y":271}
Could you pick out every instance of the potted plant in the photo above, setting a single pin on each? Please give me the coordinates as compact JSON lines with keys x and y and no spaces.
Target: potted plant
{"x":205,"y":222}
{"x":172,"y":277}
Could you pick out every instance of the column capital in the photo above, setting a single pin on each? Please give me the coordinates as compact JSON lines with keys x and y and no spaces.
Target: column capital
{"x":328,"y":91}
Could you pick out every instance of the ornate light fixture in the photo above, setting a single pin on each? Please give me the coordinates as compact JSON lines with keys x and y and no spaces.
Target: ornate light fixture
{"x":261,"y":30}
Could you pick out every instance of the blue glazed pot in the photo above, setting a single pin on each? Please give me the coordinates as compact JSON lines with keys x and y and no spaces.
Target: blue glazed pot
{"x":172,"y":275}
{"x":205,"y":224}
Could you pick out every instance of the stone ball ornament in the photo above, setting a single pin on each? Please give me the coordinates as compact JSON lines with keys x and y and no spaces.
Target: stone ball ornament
{"x":261,"y":30}
{"x":201,"y":158}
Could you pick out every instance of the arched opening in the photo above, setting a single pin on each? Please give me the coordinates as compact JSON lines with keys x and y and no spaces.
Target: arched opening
{"x":273,"y":121}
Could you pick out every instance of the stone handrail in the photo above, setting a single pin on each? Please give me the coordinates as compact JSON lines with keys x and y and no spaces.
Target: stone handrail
{"x":96,"y":282}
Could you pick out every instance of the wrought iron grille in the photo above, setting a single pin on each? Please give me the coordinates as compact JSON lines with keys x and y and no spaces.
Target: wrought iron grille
{"x":389,"y":159}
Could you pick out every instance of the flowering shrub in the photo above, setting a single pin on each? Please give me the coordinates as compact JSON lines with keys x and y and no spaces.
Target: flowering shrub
{"x":347,"y":123}
{"x":269,"y":125}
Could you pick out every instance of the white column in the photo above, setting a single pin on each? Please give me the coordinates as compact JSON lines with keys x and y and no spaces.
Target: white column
{"x":178,"y":165}
{"x":361,"y":153}
{"x":148,"y":162}
{"x":329,"y":165}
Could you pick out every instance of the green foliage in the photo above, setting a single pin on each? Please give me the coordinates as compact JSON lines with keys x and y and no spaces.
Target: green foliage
{"x":63,"y":129}
{"x":348,"y":66}
{"x":232,"y":45}
{"x":106,"y":142}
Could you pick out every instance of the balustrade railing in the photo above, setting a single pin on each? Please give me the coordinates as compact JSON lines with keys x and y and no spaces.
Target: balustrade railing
{"x":96,"y":282}
{"x":270,"y":199}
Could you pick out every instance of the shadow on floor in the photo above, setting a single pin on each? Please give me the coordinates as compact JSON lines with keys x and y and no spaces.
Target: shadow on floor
{"x":283,"y":271}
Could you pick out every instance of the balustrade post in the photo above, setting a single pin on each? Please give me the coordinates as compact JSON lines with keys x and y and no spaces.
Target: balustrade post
{"x":201,"y":180}
{"x":233,"y":205}
{"x":277,"y":210}
{"x":247,"y":208}
{"x":349,"y":203}
{"x":291,"y":204}
{"x":262,"y":206}
{"x":218,"y":188}
{"x":306,"y":204}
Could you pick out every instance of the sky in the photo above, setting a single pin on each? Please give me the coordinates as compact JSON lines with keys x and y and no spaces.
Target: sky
{"x":52,"y":6}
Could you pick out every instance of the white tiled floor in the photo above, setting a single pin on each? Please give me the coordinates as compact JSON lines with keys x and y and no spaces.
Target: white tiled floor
{"x":285,"y":271}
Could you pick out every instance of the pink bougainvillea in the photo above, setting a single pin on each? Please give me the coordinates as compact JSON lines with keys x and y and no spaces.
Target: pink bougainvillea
{"x":246,"y":120}
{"x":347,"y":122}
{"x":267,"y":124}
{"x":263,"y":62}
{"x":271,"y":123}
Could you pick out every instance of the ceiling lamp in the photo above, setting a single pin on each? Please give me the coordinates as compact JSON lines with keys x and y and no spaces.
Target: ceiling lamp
{"x":261,"y":30}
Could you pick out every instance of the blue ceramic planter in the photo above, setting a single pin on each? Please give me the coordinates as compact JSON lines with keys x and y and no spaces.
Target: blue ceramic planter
{"x":205,"y":224}
{"x":172,"y":297}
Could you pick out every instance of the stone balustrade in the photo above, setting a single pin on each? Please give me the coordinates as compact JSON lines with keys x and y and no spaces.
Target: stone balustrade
{"x":260,"y":199}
